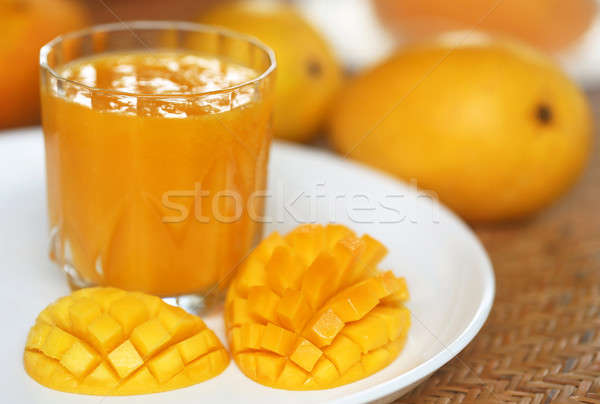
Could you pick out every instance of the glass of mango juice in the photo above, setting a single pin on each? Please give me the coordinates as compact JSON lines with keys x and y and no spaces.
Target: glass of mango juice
{"x":157,"y":141}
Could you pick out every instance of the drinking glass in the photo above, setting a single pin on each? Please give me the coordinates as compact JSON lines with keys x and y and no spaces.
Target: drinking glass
{"x":163,"y":192}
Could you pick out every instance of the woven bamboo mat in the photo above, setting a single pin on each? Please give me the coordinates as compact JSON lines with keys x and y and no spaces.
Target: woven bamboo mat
{"x":541,"y":343}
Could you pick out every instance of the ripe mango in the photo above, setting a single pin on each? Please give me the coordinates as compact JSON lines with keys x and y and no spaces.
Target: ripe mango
{"x":525,"y":20}
{"x":493,"y":127}
{"x":312,"y":311}
{"x":308,"y":73}
{"x":107,"y":341}
{"x":27,"y":25}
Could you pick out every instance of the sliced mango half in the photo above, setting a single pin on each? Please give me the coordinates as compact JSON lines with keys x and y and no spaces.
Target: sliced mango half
{"x":311,"y":310}
{"x":108,"y":341}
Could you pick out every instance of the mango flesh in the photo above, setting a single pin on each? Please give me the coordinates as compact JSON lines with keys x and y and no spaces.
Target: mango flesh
{"x":312,"y":311}
{"x":107,"y":341}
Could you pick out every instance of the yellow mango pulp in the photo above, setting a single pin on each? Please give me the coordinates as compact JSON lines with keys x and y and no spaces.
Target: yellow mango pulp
{"x":311,"y":310}
{"x":110,"y":342}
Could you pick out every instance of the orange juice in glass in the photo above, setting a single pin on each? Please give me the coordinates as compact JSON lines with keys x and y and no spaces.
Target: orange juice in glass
{"x":157,"y":141}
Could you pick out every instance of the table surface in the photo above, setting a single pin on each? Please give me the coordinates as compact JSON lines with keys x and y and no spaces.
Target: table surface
{"x":541,"y":342}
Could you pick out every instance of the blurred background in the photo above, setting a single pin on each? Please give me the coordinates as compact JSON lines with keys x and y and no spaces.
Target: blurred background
{"x":416,"y":88}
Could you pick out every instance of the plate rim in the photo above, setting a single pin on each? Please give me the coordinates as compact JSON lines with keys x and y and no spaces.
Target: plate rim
{"x":437,"y":361}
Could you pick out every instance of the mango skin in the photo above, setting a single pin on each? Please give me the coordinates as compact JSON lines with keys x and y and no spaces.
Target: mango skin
{"x":311,"y":310}
{"x":524,"y":20}
{"x":308,"y":73}
{"x":107,"y":341}
{"x":492,"y":127}
{"x":27,"y":26}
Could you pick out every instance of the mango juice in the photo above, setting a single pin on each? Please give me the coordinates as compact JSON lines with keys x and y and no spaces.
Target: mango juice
{"x":155,"y":163}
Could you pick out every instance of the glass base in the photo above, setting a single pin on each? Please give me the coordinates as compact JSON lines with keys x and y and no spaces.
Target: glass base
{"x":195,"y":303}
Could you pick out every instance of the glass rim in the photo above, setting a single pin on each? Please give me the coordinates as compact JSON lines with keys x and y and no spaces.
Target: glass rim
{"x":146,"y":24}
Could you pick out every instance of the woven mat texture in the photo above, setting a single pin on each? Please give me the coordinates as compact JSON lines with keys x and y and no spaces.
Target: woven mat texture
{"x":541,"y":343}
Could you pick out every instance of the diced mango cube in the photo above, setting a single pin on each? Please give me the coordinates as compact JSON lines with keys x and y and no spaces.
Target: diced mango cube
{"x":63,"y":377}
{"x":105,"y":333}
{"x":355,"y":372}
{"x":218,"y":360}
{"x":152,"y":303}
{"x":376,"y":359}
{"x":292,"y":376}
{"x":37,"y":335}
{"x":59,"y":312}
{"x":166,"y":364}
{"x":57,"y":343}
{"x":284,"y":270}
{"x":325,"y":372}
{"x":394,"y":347}
{"x":141,"y":380}
{"x":369,"y":333}
{"x":373,"y":253}
{"x":79,"y":359}
{"x":320,"y":280}
{"x":103,"y":377}
{"x":129,"y":311}
{"x":208,"y":365}
{"x":234,"y":336}
{"x":266,"y":247}
{"x":262,"y":303}
{"x":252,"y":334}
{"x":346,"y":252}
{"x":353,"y":304}
{"x":254,"y":274}
{"x":277,"y":340}
{"x":324,"y":329}
{"x":269,"y":366}
{"x":344,"y":353}
{"x":198,"y":345}
{"x":305,"y":354}
{"x":307,"y":242}
{"x":247,"y":363}
{"x":336,"y":232}
{"x":178,"y":323}
{"x":82,"y":312}
{"x":45,"y":316}
{"x":44,"y":365}
{"x":199,"y":368}
{"x":125,"y":359}
{"x":104,"y":296}
{"x":371,"y":286}
{"x":149,"y":337}
{"x":293,"y":311}
{"x":400,"y":294}
{"x":397,"y":320}
{"x":390,"y":282}
{"x":237,"y":312}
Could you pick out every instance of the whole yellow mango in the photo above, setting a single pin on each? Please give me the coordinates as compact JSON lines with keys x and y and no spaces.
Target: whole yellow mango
{"x":27,"y":25}
{"x":527,"y":20}
{"x":308,"y":74}
{"x":494,"y":128}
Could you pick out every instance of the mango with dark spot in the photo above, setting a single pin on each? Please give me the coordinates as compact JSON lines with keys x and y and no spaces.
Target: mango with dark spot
{"x":308,"y":74}
{"x":493,"y":127}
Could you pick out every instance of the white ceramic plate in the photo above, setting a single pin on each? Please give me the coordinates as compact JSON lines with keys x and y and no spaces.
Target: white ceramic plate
{"x":449,"y":274}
